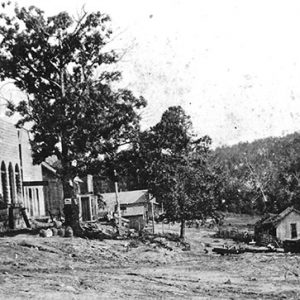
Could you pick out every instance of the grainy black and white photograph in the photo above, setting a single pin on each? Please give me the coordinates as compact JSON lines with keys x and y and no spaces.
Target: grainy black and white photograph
{"x":150,"y":149}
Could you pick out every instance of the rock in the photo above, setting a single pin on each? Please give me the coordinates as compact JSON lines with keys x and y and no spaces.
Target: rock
{"x":49,"y":232}
{"x":61,"y":232}
{"x":43,"y":233}
{"x":46,"y":232}
{"x":227,"y":281}
{"x":57,"y":224}
{"x":54,"y":231}
{"x":69,"y":232}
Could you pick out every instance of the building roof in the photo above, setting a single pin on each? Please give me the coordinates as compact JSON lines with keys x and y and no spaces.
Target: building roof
{"x":286,"y":212}
{"x":129,"y":197}
{"x":272,"y":219}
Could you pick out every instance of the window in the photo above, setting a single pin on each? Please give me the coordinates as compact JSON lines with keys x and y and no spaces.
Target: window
{"x":11,"y":183}
{"x":18,"y":181}
{"x":294,"y":230}
{"x":4,"y":182}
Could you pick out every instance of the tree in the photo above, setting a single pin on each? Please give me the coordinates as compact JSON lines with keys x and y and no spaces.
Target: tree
{"x":176,"y":168}
{"x":62,"y":64}
{"x":262,"y":176}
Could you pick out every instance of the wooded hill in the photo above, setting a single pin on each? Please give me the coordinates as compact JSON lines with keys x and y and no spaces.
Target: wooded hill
{"x":262,"y":176}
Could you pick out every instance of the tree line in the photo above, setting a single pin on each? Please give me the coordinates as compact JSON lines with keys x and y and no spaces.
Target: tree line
{"x":259,"y":177}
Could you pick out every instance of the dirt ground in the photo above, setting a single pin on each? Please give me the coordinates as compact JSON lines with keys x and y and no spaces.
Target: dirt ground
{"x":32,"y":267}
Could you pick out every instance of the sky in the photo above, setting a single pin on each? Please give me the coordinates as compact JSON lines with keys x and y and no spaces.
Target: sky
{"x":233,"y":65}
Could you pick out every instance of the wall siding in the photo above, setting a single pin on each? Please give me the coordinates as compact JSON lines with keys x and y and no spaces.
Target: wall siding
{"x":283,"y":230}
{"x":12,"y":140}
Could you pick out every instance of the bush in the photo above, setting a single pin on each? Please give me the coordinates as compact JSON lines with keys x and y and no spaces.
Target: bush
{"x":234,"y":234}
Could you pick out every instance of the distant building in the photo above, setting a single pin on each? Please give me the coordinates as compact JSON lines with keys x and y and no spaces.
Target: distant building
{"x":135,"y":206}
{"x":36,"y":188}
{"x":21,"y":182}
{"x":283,"y":226}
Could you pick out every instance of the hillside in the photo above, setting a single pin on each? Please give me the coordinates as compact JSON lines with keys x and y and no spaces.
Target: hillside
{"x":260,"y":176}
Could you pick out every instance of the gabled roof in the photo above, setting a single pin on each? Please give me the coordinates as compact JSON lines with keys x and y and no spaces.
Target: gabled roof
{"x":128,"y":197}
{"x":286,"y":212}
{"x":275,"y":219}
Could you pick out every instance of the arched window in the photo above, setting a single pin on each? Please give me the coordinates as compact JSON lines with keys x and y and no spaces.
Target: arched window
{"x":11,"y":183}
{"x":4,"y":182}
{"x":18,"y":181}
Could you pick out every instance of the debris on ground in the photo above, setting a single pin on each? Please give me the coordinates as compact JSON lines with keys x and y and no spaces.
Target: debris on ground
{"x":140,"y":267}
{"x":228,"y":250}
{"x":36,"y":245}
{"x":238,"y":249}
{"x":235,"y":234}
{"x":167,"y":241}
{"x":98,"y":230}
{"x":46,"y":233}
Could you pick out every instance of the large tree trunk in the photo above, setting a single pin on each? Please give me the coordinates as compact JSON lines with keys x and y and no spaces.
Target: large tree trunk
{"x":71,"y":211}
{"x":182,"y":229}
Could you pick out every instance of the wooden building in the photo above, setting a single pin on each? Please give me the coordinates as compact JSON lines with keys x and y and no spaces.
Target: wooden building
{"x":21,"y":183}
{"x":283,"y":226}
{"x":54,"y":196}
{"x":136,"y":206}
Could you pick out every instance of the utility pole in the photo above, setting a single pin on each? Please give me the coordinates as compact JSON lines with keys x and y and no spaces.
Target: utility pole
{"x":117,"y":201}
{"x":152,"y":213}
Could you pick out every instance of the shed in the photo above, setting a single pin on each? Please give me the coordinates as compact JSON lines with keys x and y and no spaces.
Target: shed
{"x":54,"y":195}
{"x":135,"y":206}
{"x":283,"y":226}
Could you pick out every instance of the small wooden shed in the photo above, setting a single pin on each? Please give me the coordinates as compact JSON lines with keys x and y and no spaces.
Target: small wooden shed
{"x":135,"y":206}
{"x":284,"y":226}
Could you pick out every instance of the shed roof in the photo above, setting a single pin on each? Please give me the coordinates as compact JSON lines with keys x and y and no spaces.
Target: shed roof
{"x":137,"y":197}
{"x":128,"y":197}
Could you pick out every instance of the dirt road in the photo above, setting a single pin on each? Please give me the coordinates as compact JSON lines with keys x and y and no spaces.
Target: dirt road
{"x":72,"y":268}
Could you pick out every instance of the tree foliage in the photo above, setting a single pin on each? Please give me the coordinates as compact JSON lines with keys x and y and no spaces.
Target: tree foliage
{"x":62,"y":65}
{"x":173,"y":165}
{"x":262,"y":176}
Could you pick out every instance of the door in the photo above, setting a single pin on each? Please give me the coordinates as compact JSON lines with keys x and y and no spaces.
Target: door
{"x":85,"y":209}
{"x":294,"y":230}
